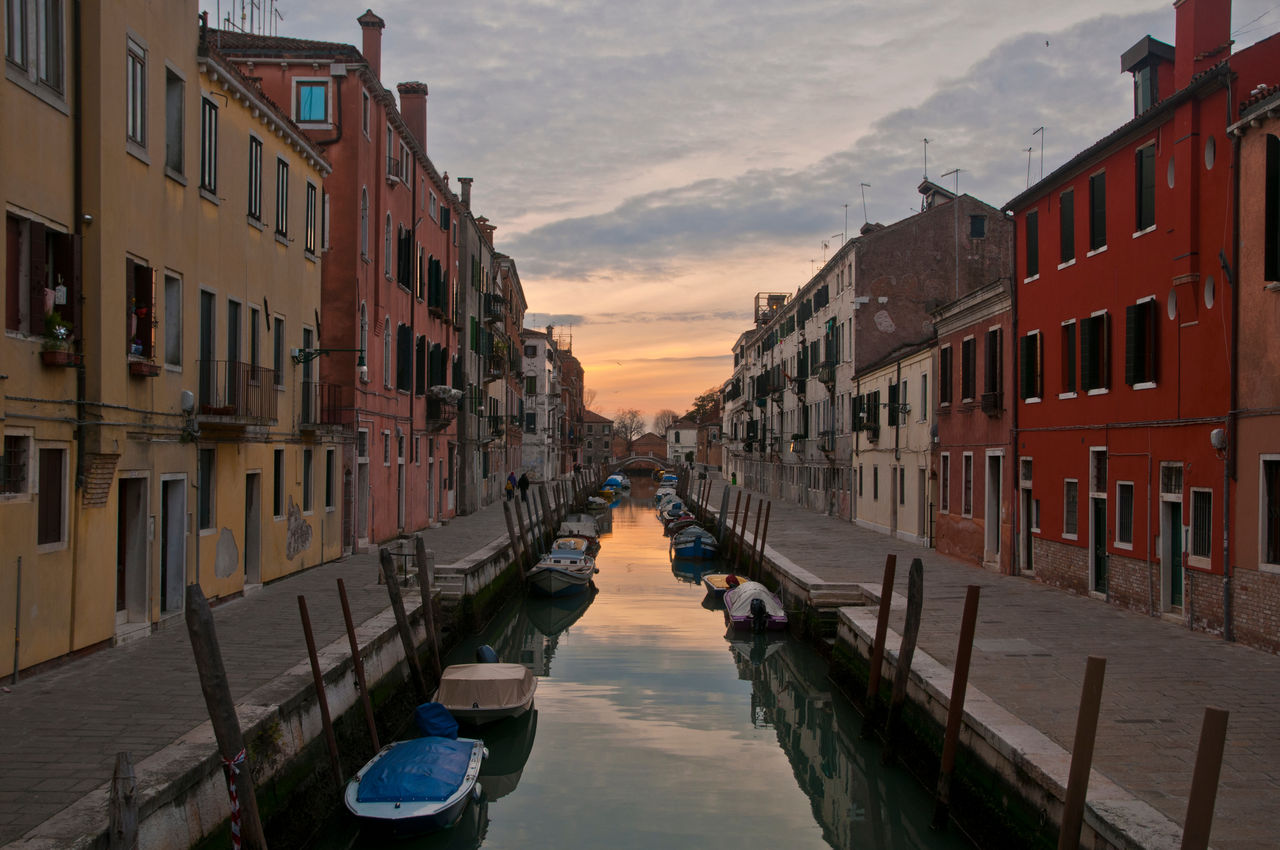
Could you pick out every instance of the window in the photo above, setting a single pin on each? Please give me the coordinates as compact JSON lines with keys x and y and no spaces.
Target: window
{"x":530,"y":351}
{"x":39,"y":258}
{"x":875,"y":482}
{"x":364,"y":337}
{"x":432,"y":209}
{"x":1271,"y":227}
{"x":924,"y":397}
{"x":404,"y":358}
{"x":1033,"y":244}
{"x":1140,"y":343}
{"x":1067,"y":227}
{"x":1124,"y":514}
{"x":1069,"y":357}
{"x":386,"y":352}
{"x":205,"y":490}
{"x":329,"y":478}
{"x":1145,"y":88}
{"x":255,"y":178}
{"x":1145,"y":188}
{"x":364,"y":112}
{"x":14,"y":478}
{"x":1095,"y":351}
{"x":306,"y":480}
{"x":966,"y":485}
{"x":968,"y":366}
{"x":1270,"y":519}
{"x":173,"y":123}
{"x":310,"y":104}
{"x":1098,"y":211}
{"x":386,"y":248}
{"x":1201,"y":524}
{"x":51,"y":514}
{"x":136,"y":94}
{"x":977,"y":227}
{"x":277,"y":358}
{"x":310,"y":235}
{"x":530,"y":385}
{"x":282,"y":197}
{"x":15,"y":32}
{"x":944,"y":376}
{"x":1032,"y":361}
{"x":902,"y":485}
{"x":992,"y":373}
{"x":944,"y":483}
{"x":364,"y":223}
{"x":386,"y":448}
{"x":1071,"y":508}
{"x":208,"y":145}
{"x":277,"y":483}
{"x":172,"y":320}
{"x":141,"y":314}
{"x":530,"y":423}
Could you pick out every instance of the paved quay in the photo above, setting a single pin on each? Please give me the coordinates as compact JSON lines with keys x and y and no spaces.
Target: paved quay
{"x":60,"y":729}
{"x":1030,"y":649}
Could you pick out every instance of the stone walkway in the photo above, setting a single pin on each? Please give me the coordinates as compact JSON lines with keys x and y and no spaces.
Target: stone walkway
{"x":1030,"y":649}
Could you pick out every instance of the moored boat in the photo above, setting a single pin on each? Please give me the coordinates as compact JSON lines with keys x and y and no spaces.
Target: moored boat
{"x":485,"y":692}
{"x":694,"y":542}
{"x":561,"y":574}
{"x":717,"y":583}
{"x":750,"y":605}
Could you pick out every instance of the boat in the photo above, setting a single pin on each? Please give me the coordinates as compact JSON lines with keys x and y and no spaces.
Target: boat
{"x":680,"y":523}
{"x":687,"y":570}
{"x":596,"y":504}
{"x":486,"y":691}
{"x":662,"y":493}
{"x":669,"y":479}
{"x":561,"y":574}
{"x":576,"y":543}
{"x":419,"y":785}
{"x":717,"y":583}
{"x":750,"y":605}
{"x":694,"y":542}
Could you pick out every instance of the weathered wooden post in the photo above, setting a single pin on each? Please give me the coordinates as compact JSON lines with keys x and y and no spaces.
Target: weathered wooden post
{"x":742,"y":534}
{"x":402,"y":625}
{"x":764,"y":538}
{"x":755,"y":540}
{"x":246,"y":824}
{"x":426,"y":563}
{"x":123,"y":806}
{"x":322,"y":696}
{"x":1204,"y":779}
{"x":525,"y":542}
{"x":737,"y":503}
{"x":1082,"y":753}
{"x":724,"y":512}
{"x":516,"y":552}
{"x":357,"y":662}
{"x":877,"y":646}
{"x":955,"y":711}
{"x":907,"y":651}
{"x":547,"y":516}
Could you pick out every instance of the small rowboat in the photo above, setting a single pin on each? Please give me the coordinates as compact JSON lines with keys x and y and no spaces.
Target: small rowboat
{"x":750,"y":605}
{"x":562,"y":574}
{"x":694,"y":542}
{"x":717,"y":583}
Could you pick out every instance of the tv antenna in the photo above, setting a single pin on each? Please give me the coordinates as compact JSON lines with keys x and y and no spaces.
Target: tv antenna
{"x":1039,"y":131}
{"x":1028,"y":152}
{"x":865,"y":187}
{"x":926,"y":159}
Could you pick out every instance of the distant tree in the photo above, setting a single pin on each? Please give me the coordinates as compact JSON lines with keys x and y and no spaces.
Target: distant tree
{"x":663,"y":420}
{"x":628,"y":425}
{"x":589,"y":400}
{"x":704,"y":405}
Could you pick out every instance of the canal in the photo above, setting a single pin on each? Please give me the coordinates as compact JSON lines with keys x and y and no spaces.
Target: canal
{"x":653,"y":728}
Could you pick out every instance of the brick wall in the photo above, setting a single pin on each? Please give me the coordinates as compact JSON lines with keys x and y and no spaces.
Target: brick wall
{"x":1059,"y":565}
{"x":1255,"y":600}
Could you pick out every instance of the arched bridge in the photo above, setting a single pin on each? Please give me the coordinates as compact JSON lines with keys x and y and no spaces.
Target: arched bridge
{"x":640,"y":462}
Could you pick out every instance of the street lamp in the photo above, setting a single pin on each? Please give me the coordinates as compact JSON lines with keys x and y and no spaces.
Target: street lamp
{"x":306,"y":355}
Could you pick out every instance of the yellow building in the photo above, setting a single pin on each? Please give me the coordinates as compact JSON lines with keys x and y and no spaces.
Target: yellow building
{"x":197,"y":447}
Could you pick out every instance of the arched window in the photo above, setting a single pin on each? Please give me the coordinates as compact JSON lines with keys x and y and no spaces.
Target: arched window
{"x":386,"y":352}
{"x":386,"y":256}
{"x":364,"y":334}
{"x":364,"y":222}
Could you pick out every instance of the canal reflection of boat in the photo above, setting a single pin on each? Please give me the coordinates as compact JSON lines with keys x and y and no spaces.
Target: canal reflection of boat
{"x":467,"y":833}
{"x":552,"y":615}
{"x":688,"y":570}
{"x":756,"y":649}
{"x":509,"y":744}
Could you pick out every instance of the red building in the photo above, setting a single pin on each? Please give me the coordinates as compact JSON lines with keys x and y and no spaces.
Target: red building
{"x":387,"y":282}
{"x":1123,"y":317}
{"x":972,"y":467}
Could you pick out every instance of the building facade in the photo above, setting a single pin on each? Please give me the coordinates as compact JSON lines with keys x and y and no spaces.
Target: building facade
{"x":682,"y":441}
{"x":543,"y":407}
{"x":597,"y":443}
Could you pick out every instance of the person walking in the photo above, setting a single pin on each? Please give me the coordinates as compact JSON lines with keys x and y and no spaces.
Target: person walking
{"x":511,"y":486}
{"x":523,"y":484}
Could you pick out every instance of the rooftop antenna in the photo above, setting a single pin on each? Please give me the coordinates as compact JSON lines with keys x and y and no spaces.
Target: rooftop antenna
{"x":865,"y":187}
{"x":926,"y":159}
{"x":844,"y":237}
{"x":1039,"y":131}
{"x":1028,"y":152}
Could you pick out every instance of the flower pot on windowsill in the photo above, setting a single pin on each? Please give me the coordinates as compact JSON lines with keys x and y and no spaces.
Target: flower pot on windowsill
{"x":143,"y":368}
{"x":59,"y":357}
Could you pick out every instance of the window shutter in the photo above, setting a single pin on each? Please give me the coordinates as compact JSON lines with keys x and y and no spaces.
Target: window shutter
{"x":149,"y":333}
{"x":444,"y":218}
{"x":1067,"y":226}
{"x":1271,"y":270}
{"x":1024,"y":361}
{"x":1088,"y":354}
{"x":36,"y":255}
{"x":1038,"y":374}
{"x":893,"y":400}
{"x":944,"y":378}
{"x":1132,"y":346}
{"x":1150,"y":329}
{"x":74,"y":306}
{"x":130,"y":275}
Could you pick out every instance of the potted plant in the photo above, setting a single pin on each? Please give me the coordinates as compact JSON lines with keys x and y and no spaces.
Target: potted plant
{"x":56,"y":350}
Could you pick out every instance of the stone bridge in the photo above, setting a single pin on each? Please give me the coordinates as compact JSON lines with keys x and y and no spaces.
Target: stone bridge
{"x":640,"y":462}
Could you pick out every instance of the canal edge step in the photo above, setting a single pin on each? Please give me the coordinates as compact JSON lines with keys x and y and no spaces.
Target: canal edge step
{"x":1021,"y":755}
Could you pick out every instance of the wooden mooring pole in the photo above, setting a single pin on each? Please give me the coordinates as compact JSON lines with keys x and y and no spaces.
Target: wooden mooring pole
{"x":426,"y":563}
{"x":869,"y":719}
{"x":755,"y":540}
{"x":724,"y":513}
{"x":764,"y":537}
{"x":907,"y":651}
{"x":955,"y":711}
{"x":517,"y":553}
{"x":737,"y":502}
{"x":1082,"y":753}
{"x":1204,"y":779}
{"x":222,"y":715}
{"x":742,"y":535}
{"x":357,"y":662}
{"x":122,"y":807}
{"x":526,"y":547}
{"x":547,"y":516}
{"x":322,"y":696}
{"x":402,"y":625}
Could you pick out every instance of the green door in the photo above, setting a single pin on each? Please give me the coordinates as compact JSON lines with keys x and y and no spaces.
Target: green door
{"x":1099,"y":554}
{"x":1175,"y":559}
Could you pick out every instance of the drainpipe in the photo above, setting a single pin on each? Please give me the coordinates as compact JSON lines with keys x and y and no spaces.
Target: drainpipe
{"x":1229,"y":463}
{"x":1016,"y":565}
{"x":77,"y":143}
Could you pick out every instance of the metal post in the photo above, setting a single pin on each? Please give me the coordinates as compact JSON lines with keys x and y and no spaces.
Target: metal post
{"x":955,"y":712}
{"x":322,"y":696}
{"x":877,"y":645}
{"x":907,"y":651}
{"x":1204,"y":779}
{"x":357,"y":661}
{"x":1082,"y":754}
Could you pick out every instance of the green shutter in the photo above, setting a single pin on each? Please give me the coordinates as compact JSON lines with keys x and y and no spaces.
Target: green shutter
{"x":1088,"y":354}
{"x":1132,"y":345}
{"x":1024,"y":366}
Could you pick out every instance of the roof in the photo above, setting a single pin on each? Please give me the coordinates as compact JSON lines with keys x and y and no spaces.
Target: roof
{"x":592,"y":416}
{"x":1263,"y":101}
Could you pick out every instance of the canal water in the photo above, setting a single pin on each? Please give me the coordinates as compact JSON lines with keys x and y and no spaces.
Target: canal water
{"x":654,"y":727}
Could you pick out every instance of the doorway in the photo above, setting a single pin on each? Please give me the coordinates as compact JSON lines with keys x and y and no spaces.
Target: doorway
{"x":1098,"y":547}
{"x":253,"y":528}
{"x":921,"y":502}
{"x":131,"y":552}
{"x":1026,"y":563}
{"x":993,"y":510}
{"x":173,"y":543}
{"x":1171,"y":556}
{"x":362,"y":488}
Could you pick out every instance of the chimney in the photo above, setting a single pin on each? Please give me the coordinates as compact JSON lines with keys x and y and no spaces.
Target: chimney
{"x":465,"y":183}
{"x":1202,"y":37}
{"x":371,"y":46}
{"x":413,"y":107}
{"x":486,"y":229}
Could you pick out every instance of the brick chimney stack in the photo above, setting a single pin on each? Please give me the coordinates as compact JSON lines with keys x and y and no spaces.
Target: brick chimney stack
{"x":465,"y":183}
{"x":371,"y":46}
{"x":413,"y":106}
{"x":1202,"y":37}
{"x":486,"y":229}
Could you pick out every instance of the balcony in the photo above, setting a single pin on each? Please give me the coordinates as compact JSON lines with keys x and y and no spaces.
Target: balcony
{"x":495,"y":366}
{"x":495,"y":307}
{"x":236,"y":393}
{"x":323,"y":405}
{"x":993,"y":403}
{"x":827,"y":441}
{"x":440,"y":414}
{"x":827,"y":372}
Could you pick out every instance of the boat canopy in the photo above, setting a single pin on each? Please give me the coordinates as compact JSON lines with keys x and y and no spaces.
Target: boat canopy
{"x":738,"y":600}
{"x":434,"y":720}
{"x":427,"y":769}
{"x":485,"y":685}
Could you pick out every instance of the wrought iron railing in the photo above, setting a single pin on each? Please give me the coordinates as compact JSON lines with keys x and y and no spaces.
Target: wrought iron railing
{"x":323,"y":403}
{"x":236,"y":390}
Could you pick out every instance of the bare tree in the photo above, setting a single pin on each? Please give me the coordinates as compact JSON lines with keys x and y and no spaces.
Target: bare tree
{"x":628,"y":425}
{"x":663,"y":420}
{"x":589,"y":400}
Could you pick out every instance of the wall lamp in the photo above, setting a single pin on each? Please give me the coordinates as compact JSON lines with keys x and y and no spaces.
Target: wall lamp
{"x":306,"y":355}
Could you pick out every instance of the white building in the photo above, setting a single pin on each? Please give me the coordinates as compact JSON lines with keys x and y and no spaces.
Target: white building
{"x":682,"y":441}
{"x":542,"y":405}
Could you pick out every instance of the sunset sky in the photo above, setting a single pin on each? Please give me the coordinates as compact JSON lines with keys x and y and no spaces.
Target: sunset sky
{"x":652,"y":165}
